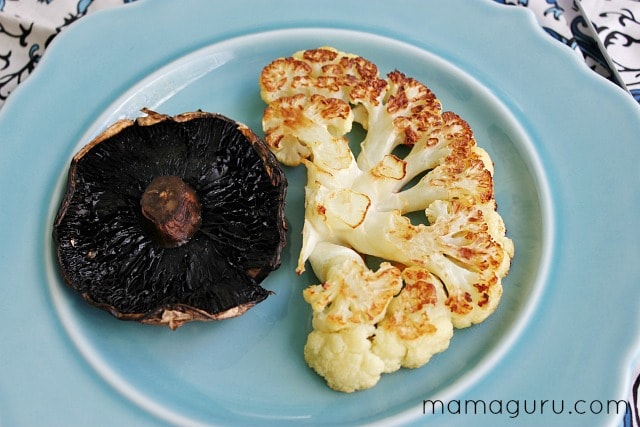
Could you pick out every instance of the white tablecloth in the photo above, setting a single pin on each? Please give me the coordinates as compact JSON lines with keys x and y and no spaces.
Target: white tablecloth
{"x":28,"y":26}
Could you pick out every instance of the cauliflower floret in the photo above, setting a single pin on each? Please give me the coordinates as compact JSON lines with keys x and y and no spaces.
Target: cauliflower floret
{"x":456,"y":169}
{"x":344,"y":358}
{"x":462,"y":253}
{"x":323,"y":71}
{"x":417,"y":324}
{"x":350,"y":292}
{"x":453,"y":262}
{"x":408,"y":111}
{"x":297,"y":126}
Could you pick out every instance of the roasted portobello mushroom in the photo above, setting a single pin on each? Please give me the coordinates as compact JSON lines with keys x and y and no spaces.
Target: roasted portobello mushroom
{"x":166,"y":220}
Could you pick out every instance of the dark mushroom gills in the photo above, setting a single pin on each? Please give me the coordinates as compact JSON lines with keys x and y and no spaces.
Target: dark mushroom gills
{"x":166,"y":220}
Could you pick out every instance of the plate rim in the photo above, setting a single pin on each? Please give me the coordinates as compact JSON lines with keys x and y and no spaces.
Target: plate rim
{"x":120,"y":109}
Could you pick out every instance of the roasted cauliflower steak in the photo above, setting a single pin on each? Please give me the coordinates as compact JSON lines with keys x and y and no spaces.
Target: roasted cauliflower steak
{"x":437,"y":274}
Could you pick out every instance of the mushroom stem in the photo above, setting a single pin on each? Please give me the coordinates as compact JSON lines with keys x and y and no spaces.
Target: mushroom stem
{"x":173,"y":208}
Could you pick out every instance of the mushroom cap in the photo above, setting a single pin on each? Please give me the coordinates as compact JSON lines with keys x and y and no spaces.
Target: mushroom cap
{"x":107,"y":253}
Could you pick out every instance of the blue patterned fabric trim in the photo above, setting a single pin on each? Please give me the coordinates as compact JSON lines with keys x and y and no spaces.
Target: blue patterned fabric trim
{"x":25,"y":35}
{"x":605,"y":33}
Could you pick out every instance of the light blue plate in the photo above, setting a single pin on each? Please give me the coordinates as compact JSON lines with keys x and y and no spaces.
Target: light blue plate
{"x":566,"y":146}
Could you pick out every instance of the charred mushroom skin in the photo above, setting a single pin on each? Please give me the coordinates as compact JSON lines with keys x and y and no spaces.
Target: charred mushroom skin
{"x":199,"y":256}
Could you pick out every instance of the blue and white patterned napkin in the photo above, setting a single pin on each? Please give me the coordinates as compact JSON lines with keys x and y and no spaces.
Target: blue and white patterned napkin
{"x":26,"y":29}
{"x":591,"y":27}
